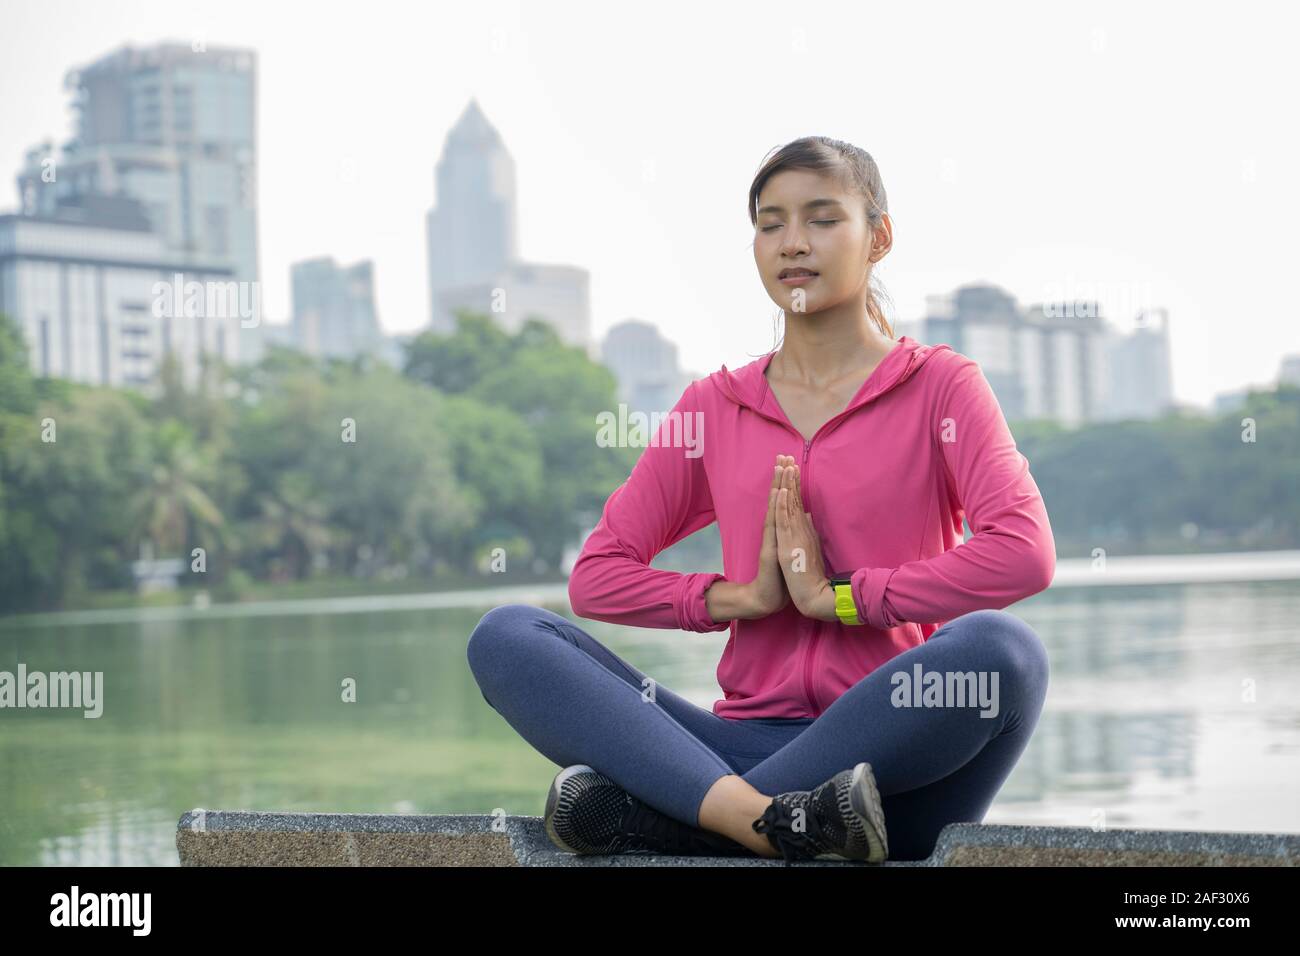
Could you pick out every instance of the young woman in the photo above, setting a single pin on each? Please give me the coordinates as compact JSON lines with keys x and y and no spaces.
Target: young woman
{"x":871,"y":674}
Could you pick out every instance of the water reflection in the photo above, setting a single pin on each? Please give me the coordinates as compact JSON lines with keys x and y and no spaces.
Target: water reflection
{"x":1169,"y":706}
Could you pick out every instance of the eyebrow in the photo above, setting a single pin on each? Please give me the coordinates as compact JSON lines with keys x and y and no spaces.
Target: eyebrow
{"x":811,"y":204}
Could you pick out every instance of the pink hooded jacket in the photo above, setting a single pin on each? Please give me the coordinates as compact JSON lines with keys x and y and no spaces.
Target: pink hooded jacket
{"x":887,"y":482}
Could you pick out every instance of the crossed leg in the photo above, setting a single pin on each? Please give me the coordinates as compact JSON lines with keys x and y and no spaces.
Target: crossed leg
{"x":933,"y":765}
{"x":576,"y":701}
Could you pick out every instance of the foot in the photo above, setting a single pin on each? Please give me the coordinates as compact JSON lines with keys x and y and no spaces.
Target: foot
{"x":588,"y":813}
{"x":840,"y":820}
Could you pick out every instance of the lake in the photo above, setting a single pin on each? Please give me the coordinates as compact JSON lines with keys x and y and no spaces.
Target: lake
{"x":1171,"y":705}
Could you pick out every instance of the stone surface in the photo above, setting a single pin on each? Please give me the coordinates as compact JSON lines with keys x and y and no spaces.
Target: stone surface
{"x":251,"y":838}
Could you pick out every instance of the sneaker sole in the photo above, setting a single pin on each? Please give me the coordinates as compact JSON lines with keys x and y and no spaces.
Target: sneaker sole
{"x":865,"y":800}
{"x":553,"y":801}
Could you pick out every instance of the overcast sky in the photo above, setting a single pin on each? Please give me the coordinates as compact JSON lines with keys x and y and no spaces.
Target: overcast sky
{"x":1140,"y":154}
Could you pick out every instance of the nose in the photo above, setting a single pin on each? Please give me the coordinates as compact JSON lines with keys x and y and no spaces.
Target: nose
{"x":794,"y":243}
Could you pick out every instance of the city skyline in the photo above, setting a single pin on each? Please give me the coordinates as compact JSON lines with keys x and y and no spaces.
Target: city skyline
{"x":621,"y":206}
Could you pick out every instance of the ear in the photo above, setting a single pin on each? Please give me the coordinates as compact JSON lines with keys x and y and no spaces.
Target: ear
{"x":882,"y":238}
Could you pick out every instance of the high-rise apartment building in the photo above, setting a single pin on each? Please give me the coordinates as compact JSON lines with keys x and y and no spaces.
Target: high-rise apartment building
{"x":141,"y":234}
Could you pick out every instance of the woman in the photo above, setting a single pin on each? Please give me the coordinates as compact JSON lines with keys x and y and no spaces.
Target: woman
{"x":845,"y":456}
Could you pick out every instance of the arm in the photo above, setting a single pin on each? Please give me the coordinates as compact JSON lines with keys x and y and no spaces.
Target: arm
{"x":666,"y":498}
{"x":1011,"y":553}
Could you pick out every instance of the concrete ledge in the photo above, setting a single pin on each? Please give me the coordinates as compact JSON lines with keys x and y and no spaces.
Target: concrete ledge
{"x":252,"y":838}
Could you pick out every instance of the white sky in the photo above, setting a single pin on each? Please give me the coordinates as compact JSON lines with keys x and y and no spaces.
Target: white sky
{"x":1135,"y":153}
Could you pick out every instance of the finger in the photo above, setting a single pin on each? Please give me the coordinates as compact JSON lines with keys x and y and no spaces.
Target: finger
{"x":774,"y":486}
{"x":798,"y":489}
{"x":769,"y":521}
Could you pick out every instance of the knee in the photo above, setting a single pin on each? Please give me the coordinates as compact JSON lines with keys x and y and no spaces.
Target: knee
{"x":498,"y":625}
{"x":1015,"y":645}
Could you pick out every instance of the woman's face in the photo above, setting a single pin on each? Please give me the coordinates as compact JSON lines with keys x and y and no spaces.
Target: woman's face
{"x":806,"y":220}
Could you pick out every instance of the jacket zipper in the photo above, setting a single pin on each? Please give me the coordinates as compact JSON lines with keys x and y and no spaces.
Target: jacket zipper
{"x":803,"y":474}
{"x":812,"y":641}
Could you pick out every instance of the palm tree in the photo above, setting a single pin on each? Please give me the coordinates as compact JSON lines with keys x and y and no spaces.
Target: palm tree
{"x":293,"y":522}
{"x":172,"y":503}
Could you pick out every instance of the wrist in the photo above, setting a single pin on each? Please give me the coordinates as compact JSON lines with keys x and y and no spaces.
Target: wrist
{"x":732,"y":600}
{"x":810,"y":597}
{"x":753,"y":603}
{"x":821,"y":602}
{"x":841,"y":604}
{"x":830,"y":612}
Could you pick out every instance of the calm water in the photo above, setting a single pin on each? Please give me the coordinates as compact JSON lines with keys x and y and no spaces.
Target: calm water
{"x":1147,"y":719}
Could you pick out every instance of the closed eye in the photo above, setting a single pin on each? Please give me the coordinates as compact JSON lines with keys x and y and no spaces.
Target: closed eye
{"x":815,"y":222}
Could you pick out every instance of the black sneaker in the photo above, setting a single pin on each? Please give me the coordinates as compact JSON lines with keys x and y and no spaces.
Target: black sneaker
{"x":588,"y":813}
{"x":840,"y":820}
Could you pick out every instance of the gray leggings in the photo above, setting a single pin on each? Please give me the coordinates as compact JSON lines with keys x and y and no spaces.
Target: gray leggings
{"x":575,"y":701}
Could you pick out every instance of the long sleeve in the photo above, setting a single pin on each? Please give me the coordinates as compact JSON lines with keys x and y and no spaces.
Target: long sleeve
{"x":1011,"y":553}
{"x":665,"y":498}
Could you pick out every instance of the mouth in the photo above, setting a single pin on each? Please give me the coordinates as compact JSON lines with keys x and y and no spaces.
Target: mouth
{"x":796,"y":276}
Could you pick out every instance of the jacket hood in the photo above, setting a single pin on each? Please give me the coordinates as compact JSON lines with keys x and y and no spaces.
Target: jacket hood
{"x":747,"y":386}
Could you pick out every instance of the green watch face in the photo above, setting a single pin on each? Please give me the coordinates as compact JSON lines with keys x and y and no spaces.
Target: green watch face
{"x":837,"y":579}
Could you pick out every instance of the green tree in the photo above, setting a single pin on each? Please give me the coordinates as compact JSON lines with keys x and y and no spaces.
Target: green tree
{"x":455,"y":363}
{"x":17,"y":389}
{"x":291,"y":524}
{"x":171,"y":507}
{"x":556,"y":391}
{"x":63,"y":496}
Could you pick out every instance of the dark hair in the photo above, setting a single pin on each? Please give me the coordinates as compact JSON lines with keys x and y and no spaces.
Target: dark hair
{"x":856,"y":170}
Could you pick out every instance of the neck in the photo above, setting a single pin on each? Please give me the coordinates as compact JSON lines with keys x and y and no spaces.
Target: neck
{"x":820,"y":348}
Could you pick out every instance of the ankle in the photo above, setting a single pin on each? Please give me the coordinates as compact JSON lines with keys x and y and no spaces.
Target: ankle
{"x":731,"y":808}
{"x":729,"y":799}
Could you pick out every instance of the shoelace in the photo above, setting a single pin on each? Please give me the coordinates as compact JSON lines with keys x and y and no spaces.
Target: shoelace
{"x":777,"y":822}
{"x":647,"y":830}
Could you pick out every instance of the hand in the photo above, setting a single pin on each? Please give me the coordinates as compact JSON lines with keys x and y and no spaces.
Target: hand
{"x":767,"y":590}
{"x":800,"y":550}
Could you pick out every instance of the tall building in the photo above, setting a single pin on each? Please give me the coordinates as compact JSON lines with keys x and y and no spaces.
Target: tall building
{"x":1140,"y":382}
{"x":101,"y":299}
{"x":645,"y":365}
{"x":556,"y":294}
{"x":473,"y":261}
{"x":984,"y":322}
{"x":471,"y":230}
{"x":1059,"y":361}
{"x":173,"y":127}
{"x":140,"y":237}
{"x":1065,"y":362}
{"x":334,"y":309}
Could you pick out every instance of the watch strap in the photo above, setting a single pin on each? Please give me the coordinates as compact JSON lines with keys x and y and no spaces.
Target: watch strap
{"x":846,"y":609}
